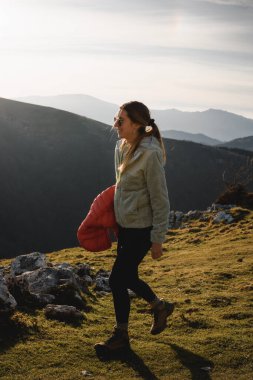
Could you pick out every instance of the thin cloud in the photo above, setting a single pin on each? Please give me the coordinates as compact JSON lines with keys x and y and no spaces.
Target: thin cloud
{"x":188,"y":51}
{"x":237,"y":3}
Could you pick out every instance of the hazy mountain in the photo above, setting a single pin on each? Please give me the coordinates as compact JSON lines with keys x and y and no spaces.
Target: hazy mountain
{"x":51,"y":169}
{"x":195,"y":137}
{"x":84,"y":105}
{"x":216,"y":124}
{"x":242,"y":143}
{"x":53,"y":163}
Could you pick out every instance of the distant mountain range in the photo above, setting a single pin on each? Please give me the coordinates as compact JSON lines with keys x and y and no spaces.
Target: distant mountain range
{"x":84,"y":105}
{"x":53,"y":163}
{"x":242,"y":143}
{"x":194,"y":137}
{"x":216,"y":124}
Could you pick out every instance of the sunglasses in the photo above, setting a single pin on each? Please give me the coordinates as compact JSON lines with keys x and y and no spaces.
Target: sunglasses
{"x":118,"y":120}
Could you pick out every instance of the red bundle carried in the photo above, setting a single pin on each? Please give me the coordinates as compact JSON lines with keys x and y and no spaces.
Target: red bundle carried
{"x":94,"y":232}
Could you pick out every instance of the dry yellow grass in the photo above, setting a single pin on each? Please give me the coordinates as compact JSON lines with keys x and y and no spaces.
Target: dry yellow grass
{"x":206,"y":269}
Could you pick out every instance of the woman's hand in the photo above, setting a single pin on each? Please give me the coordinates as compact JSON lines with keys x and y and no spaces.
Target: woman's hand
{"x":156,"y":250}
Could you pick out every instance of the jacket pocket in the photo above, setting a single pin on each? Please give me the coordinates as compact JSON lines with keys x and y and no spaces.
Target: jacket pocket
{"x":128,"y":207}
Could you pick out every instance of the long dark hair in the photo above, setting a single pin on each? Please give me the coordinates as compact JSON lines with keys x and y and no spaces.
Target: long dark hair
{"x":139,"y":113}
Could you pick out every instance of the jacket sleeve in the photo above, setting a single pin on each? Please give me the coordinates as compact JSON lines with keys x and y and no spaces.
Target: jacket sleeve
{"x":116,"y":161}
{"x":157,"y":188}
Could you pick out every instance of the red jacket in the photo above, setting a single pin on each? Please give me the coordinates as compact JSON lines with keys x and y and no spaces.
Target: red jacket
{"x":94,"y":232}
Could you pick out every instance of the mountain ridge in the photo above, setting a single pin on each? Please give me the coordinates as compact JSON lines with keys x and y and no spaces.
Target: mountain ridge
{"x":245,"y":143}
{"x":214,"y":123}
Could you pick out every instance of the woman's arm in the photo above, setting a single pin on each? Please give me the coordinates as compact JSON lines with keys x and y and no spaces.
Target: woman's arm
{"x":157,"y":188}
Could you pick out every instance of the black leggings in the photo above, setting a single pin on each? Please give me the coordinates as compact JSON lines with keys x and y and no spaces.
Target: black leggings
{"x":133,"y":245}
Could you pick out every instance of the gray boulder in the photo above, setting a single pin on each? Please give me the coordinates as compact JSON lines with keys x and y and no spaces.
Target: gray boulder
{"x":193,"y":214}
{"x":29,"y":262}
{"x":222,"y":216}
{"x":102,"y":281}
{"x":7,"y":301}
{"x":48,"y":285}
{"x":63,"y":313}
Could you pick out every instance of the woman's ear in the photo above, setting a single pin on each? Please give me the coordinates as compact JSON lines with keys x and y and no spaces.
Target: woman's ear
{"x":136,"y":126}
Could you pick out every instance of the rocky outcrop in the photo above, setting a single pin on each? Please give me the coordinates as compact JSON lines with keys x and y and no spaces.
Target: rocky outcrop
{"x":32,"y":280}
{"x":178,"y":219}
{"x":48,"y":285}
{"x":26,"y":263}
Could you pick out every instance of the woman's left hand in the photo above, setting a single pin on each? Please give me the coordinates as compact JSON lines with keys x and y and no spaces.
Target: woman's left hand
{"x":156,"y":250}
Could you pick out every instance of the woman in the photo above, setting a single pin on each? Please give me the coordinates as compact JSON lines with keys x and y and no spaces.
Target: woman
{"x":141,"y":207}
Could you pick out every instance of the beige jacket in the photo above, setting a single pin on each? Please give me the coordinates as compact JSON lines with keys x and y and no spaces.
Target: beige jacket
{"x":141,"y":195}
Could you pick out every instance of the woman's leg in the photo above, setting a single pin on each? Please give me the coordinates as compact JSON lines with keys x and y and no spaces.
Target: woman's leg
{"x":133,"y":245}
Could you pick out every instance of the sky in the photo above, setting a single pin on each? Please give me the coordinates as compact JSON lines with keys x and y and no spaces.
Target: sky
{"x":185,"y":54}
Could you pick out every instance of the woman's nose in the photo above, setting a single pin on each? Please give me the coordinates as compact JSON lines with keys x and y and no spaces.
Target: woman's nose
{"x":116,"y":124}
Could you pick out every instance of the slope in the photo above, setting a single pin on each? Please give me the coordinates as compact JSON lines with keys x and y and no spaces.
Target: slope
{"x":206,"y":269}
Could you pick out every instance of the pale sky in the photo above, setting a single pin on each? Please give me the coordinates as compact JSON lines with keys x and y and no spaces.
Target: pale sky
{"x":184,"y":54}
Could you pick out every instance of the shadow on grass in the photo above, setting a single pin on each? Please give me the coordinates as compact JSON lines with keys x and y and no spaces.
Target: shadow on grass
{"x":129,"y":357}
{"x":193,"y":362}
{"x":14,"y":330}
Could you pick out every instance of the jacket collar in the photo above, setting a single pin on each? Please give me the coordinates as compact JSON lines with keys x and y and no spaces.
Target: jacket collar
{"x":149,"y":142}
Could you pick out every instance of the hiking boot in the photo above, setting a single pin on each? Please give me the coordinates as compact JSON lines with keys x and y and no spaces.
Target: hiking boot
{"x":161,"y":312}
{"x":119,"y":340}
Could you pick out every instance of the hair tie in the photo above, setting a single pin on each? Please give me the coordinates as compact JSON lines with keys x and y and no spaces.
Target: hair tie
{"x":148,"y":128}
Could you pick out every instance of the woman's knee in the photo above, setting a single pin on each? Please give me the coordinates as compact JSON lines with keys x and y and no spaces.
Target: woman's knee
{"x":116,"y":281}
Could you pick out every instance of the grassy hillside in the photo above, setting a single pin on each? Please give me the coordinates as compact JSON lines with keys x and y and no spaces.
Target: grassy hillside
{"x":206,"y":269}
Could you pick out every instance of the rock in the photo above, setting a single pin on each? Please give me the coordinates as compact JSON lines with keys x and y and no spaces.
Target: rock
{"x":207,"y":369}
{"x":7,"y":301}
{"x":218,"y":206}
{"x":63,"y":313}
{"x":102,"y":284}
{"x":222,"y":216}
{"x":63,"y":266}
{"x":88,"y":280}
{"x":102,"y":281}
{"x":86,"y":373}
{"x":179,"y":215}
{"x":193,"y":214}
{"x":45,"y":285}
{"x":204,"y":218}
{"x":29,"y":262}
{"x":82,"y":269}
{"x":84,"y":276}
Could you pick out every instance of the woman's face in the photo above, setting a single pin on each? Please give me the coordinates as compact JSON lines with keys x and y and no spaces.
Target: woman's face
{"x":125,"y":127}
